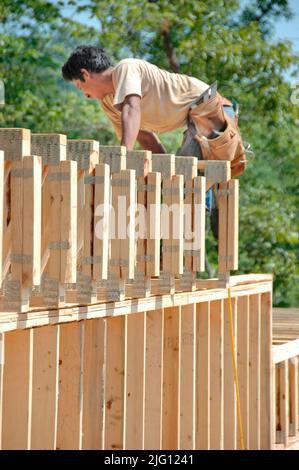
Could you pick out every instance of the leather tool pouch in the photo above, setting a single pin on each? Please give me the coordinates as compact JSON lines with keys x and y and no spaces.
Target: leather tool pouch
{"x":209,"y":116}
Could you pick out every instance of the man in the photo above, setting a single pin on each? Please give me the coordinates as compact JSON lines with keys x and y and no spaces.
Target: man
{"x":139,"y":98}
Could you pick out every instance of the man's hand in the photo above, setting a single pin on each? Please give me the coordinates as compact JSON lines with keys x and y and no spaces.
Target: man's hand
{"x":130,"y":120}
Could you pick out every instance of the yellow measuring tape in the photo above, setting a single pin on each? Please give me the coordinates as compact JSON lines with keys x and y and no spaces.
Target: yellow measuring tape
{"x":240,"y":427}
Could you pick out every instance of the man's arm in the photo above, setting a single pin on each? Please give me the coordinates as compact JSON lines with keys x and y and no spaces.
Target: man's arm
{"x":130,"y":121}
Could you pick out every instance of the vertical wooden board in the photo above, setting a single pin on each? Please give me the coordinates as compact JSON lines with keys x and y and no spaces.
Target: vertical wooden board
{"x":16,"y":389}
{"x":284,"y":402}
{"x":189,"y":223}
{"x":230,"y":403}
{"x":44,"y":387}
{"x":203,"y":371}
{"x":177,"y":242}
{"x":141,"y":228}
{"x":153,"y":224}
{"x":32,"y":168}
{"x":84,"y":152}
{"x":116,"y":254}
{"x":93,"y":399}
{"x":15,"y":143}
{"x":69,"y":398}
{"x":167,"y":234}
{"x":276,"y":408}
{"x":127,"y":244}
{"x":114,"y":156}
{"x":153,"y":380}
{"x":2,"y":225}
{"x":164,"y":164}
{"x":187,"y":166}
{"x":17,"y":220}
{"x":101,"y":226}
{"x":2,"y":339}
{"x":114,"y":384}
{"x":135,"y":378}
{"x":233,"y":225}
{"x":216,"y":375}
{"x":171,"y":371}
{"x":254,"y":371}
{"x":223,"y":227}
{"x":53,"y":266}
{"x":294,"y":397}
{"x":51,"y":147}
{"x":243,"y":364}
{"x":188,"y":376}
{"x":6,"y":219}
{"x":199,"y":187}
{"x":68,"y":226}
{"x":140,"y":161}
{"x":266,"y":371}
{"x":88,"y":229}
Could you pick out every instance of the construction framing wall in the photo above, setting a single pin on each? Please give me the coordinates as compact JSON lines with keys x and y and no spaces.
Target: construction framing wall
{"x":140,"y":374}
{"x":112,"y":342}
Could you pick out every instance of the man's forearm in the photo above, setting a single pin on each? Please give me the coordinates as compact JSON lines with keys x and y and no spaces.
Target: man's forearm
{"x":130,"y":121}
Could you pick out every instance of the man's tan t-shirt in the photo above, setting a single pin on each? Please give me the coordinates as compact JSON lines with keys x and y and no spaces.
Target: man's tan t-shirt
{"x":165,"y":97}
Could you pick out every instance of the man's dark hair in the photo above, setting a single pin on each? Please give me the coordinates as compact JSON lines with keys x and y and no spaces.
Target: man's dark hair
{"x":93,"y":59}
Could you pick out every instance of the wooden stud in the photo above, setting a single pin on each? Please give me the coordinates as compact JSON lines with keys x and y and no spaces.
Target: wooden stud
{"x":68,"y":226}
{"x":114,"y":156}
{"x":243,"y":364}
{"x":70,"y":386}
{"x":223,"y":227}
{"x":2,"y":349}
{"x":140,"y":161}
{"x":114,"y":384}
{"x":254,"y":371}
{"x":101,"y":227}
{"x":266,"y":371}
{"x":294,"y":396}
{"x":216,"y":377}
{"x":153,"y":380}
{"x":135,"y":381}
{"x":153,"y":223}
{"x":15,"y":143}
{"x":229,"y":393}
{"x":203,"y":371}
{"x":44,"y":387}
{"x":188,"y":376}
{"x":284,"y":402}
{"x":84,"y":152}
{"x":177,"y":230}
{"x":16,"y":411}
{"x":233,"y":225}
{"x":198,"y":256}
{"x":171,"y":371}
{"x":32,"y":221}
{"x":93,"y":385}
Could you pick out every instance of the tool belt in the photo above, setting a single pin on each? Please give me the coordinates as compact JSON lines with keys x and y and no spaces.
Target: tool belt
{"x":217,"y":133}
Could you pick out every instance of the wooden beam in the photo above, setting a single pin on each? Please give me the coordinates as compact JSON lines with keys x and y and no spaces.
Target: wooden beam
{"x":203,"y":376}
{"x":153,"y":380}
{"x":171,"y":371}
{"x":285,"y":351}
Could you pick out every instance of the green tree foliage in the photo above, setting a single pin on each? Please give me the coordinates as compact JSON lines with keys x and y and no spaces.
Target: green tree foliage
{"x":212,"y":40}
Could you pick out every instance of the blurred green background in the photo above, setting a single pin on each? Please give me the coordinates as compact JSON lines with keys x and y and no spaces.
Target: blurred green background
{"x":229,"y":41}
